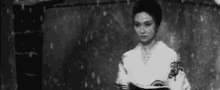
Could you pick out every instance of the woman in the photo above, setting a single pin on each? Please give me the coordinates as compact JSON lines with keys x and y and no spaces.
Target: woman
{"x":151,"y":64}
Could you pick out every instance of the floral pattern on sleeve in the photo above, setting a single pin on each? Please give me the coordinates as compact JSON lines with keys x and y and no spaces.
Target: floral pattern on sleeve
{"x":175,"y":68}
{"x":178,"y":80}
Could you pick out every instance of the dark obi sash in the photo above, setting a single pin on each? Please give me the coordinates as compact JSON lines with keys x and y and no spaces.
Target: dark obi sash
{"x":134,"y":87}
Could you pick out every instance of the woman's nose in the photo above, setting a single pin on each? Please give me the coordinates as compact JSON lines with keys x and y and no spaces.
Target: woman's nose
{"x":142,"y":30}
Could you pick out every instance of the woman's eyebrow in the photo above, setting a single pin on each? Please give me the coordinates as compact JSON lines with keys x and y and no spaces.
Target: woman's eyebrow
{"x":136,"y":22}
{"x":148,"y":22}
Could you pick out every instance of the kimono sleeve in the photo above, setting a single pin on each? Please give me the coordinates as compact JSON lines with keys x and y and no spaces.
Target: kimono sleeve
{"x":180,"y":82}
{"x":178,"y":79}
{"x":122,"y":77}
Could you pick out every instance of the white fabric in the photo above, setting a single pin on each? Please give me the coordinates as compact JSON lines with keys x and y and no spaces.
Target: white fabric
{"x":132,"y":69}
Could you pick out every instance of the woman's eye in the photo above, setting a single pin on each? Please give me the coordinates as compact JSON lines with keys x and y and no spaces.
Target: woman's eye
{"x":136,"y":24}
{"x":147,"y":24}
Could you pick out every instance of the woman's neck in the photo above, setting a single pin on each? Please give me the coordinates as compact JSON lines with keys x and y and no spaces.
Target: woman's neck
{"x":148,"y":46}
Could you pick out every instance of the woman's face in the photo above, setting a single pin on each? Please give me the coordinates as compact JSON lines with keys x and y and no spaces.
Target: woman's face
{"x":144,"y":26}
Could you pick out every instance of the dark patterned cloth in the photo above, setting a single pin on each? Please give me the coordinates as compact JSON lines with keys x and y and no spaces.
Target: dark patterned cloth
{"x":157,"y":83}
{"x":134,"y":87}
{"x":121,"y":87}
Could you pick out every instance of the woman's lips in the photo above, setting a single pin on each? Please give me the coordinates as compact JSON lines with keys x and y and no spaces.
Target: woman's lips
{"x":143,"y":37}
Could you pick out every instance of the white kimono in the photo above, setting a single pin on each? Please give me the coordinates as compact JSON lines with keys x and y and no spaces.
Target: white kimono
{"x":140,"y":71}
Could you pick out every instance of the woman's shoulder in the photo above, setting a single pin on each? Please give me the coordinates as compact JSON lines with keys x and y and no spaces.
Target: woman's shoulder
{"x":166,"y":52}
{"x":166,"y":49}
{"x":127,"y":54}
{"x":133,"y":51}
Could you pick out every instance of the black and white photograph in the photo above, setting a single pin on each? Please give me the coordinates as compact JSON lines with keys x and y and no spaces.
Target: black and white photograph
{"x":110,"y":45}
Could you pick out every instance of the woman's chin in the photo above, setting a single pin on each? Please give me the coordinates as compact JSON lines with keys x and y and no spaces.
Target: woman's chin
{"x":144,"y":41}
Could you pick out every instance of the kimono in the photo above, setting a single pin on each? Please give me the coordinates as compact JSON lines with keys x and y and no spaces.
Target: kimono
{"x":159,"y":67}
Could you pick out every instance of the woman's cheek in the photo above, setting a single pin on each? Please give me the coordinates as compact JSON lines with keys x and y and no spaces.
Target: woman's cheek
{"x":151,"y":33}
{"x":137,"y":30}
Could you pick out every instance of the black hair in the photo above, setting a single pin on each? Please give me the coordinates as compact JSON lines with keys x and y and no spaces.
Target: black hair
{"x":152,"y":7}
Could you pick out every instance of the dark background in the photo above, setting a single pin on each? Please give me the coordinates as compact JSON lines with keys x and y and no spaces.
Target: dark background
{"x":74,"y":45}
